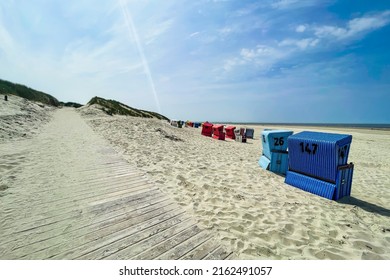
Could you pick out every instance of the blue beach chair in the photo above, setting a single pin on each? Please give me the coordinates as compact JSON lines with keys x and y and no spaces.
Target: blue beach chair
{"x":275,"y":155}
{"x":318,"y":163}
{"x":249,"y":133}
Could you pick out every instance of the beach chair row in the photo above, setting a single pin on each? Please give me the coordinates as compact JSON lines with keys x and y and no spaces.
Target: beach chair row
{"x":179,"y":124}
{"x":316,"y":162}
{"x":220,"y":132}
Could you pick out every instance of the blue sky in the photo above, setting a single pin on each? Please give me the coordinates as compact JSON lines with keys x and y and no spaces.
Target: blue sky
{"x":245,"y":61}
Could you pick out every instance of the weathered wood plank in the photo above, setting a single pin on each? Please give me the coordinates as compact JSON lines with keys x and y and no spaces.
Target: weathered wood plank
{"x":119,"y":249}
{"x":51,"y":217}
{"x":200,"y":252}
{"x":67,"y":225}
{"x":69,"y":196}
{"x":151,"y":244}
{"x":74,"y":239}
{"x":218,"y":254}
{"x":181,"y":248}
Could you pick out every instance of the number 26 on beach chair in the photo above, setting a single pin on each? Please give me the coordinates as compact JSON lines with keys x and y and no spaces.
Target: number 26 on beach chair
{"x":275,"y":156}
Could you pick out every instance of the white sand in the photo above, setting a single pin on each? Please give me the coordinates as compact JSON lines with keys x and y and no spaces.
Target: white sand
{"x":253,"y":210}
{"x":21,"y":118}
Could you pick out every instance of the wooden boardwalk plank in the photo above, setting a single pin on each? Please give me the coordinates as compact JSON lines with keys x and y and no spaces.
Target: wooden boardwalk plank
{"x":51,"y":217}
{"x":218,"y":254}
{"x":185,"y":246}
{"x":200,"y":252}
{"x":41,"y":233}
{"x":91,"y":232}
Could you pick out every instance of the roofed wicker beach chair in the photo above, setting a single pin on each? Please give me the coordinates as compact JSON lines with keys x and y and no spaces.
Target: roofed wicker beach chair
{"x":275,"y":155}
{"x":239,"y":135}
{"x":218,"y":132}
{"x":318,"y":163}
{"x":207,"y":129}
{"x":230,"y":132}
{"x":249,"y":132}
{"x":174,"y":123}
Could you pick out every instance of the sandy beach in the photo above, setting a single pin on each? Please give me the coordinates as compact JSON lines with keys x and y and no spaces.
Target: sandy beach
{"x":253,"y":210}
{"x":219,"y":183}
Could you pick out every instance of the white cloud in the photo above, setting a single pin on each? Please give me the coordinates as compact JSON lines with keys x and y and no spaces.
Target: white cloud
{"x":194,"y":34}
{"x":155,"y":32}
{"x":262,"y":57}
{"x":226,"y":30}
{"x":7,"y":43}
{"x":300,"y":28}
{"x":355,"y":27}
{"x":259,"y":52}
{"x":369,"y":22}
{"x":301,"y":44}
{"x":281,"y":4}
{"x":291,"y":4}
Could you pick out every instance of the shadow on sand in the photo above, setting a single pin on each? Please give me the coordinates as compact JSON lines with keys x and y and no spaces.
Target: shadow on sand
{"x":367,"y":206}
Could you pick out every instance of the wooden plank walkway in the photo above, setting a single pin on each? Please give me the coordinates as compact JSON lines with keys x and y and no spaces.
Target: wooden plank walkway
{"x":67,"y":195}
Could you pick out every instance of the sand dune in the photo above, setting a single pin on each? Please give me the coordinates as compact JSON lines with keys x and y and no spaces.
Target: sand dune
{"x":21,"y":118}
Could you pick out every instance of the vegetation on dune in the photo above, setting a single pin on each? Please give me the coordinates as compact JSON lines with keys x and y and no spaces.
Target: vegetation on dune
{"x":113,"y":107}
{"x":27,"y":93}
{"x":70,"y":104}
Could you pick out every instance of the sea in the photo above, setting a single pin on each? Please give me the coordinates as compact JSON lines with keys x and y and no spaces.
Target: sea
{"x":379,"y":126}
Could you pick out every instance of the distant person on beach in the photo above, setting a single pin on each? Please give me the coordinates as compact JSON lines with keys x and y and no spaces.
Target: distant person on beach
{"x":5,"y":97}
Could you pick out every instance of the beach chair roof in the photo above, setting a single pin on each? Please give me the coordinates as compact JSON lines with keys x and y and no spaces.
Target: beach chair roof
{"x":337,"y":139}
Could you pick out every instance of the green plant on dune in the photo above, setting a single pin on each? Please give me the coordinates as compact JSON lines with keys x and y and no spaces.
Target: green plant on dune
{"x":71,"y":104}
{"x":27,"y":93}
{"x":113,"y":107}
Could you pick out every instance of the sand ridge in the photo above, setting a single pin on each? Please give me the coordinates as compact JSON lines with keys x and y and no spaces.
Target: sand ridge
{"x":21,"y":118}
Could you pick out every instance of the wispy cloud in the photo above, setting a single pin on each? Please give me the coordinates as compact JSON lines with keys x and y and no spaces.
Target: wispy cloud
{"x":354,"y":28}
{"x":194,"y":34}
{"x":300,"y":28}
{"x":300,"y":43}
{"x":157,"y":30}
{"x":262,"y":57}
{"x":293,"y":4}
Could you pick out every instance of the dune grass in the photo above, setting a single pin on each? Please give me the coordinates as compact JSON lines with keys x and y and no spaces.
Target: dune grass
{"x":113,"y":107}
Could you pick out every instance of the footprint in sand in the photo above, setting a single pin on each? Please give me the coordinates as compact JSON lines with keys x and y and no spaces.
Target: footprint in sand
{"x":3,"y":187}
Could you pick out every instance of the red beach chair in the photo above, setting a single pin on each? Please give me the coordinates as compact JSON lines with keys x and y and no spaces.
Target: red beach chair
{"x":218,"y":132}
{"x":230,"y":132}
{"x":207,"y":129}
